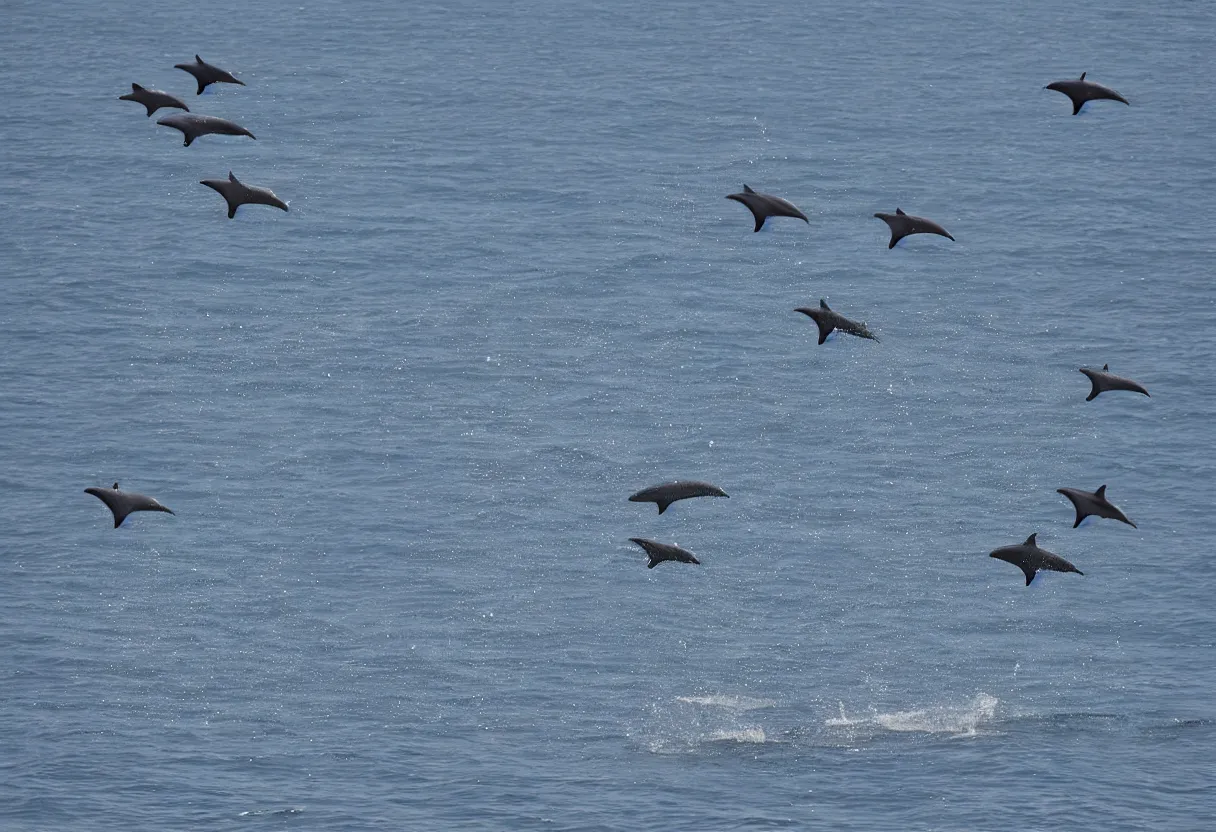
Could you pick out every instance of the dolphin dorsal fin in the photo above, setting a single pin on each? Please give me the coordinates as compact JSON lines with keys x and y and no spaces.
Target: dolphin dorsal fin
{"x":900,"y":212}
{"x":1105,"y":367}
{"x":200,"y":60}
{"x":747,"y":189}
{"x":115,"y":486}
{"x":823,"y":304}
{"x":232,"y":178}
{"x":1030,"y":541}
{"x":1101,"y":492}
{"x":136,"y":88}
{"x":1083,"y":74}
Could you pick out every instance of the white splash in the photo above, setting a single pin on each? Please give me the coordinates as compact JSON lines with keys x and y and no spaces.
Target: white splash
{"x":955,"y":720}
{"x":727,"y":702}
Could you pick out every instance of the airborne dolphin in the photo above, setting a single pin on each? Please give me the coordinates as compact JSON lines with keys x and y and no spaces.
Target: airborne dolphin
{"x":1030,"y":558}
{"x":763,"y":206}
{"x":1082,"y":91}
{"x":122,"y":503}
{"x":659,"y":552}
{"x":902,"y":225}
{"x":152,"y":99}
{"x":193,"y":126}
{"x":237,"y":193}
{"x":205,"y":74}
{"x":827,"y":320}
{"x":667,"y":493}
{"x":1095,"y":503}
{"x":1103,"y":380}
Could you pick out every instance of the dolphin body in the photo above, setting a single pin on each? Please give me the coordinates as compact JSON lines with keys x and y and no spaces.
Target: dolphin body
{"x":659,"y":552}
{"x":193,"y":126}
{"x":667,"y":493}
{"x":902,"y":225}
{"x":1030,"y":558}
{"x":764,"y":206}
{"x":206,"y":74}
{"x":236,"y":193}
{"x":1103,"y":380}
{"x":122,"y":503}
{"x":1095,"y":503}
{"x":153,"y":99}
{"x":1081,"y":92}
{"x":827,"y":320}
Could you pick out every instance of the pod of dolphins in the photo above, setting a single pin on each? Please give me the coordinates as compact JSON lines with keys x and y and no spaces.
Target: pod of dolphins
{"x":1027,"y":556}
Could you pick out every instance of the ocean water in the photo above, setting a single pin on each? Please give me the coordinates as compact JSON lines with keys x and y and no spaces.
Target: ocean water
{"x":398,"y":424}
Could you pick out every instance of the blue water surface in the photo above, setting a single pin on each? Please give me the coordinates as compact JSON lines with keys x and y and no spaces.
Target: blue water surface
{"x":398,"y":424}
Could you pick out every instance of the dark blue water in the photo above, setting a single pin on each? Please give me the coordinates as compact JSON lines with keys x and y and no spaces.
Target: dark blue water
{"x":399,"y":423}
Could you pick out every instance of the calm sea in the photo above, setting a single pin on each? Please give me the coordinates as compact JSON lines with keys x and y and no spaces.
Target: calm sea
{"x":399,"y":423}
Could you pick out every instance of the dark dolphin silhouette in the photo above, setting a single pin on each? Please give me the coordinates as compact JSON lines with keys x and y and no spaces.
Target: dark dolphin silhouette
{"x":1103,"y":380}
{"x":193,"y":126}
{"x":1082,"y":91}
{"x":1030,"y":558}
{"x":205,"y":74}
{"x":902,"y":225}
{"x":122,"y":503}
{"x":827,"y":320}
{"x":763,"y":206}
{"x":659,"y":552}
{"x":667,"y":493}
{"x":153,"y":99}
{"x":1095,"y":503}
{"x":237,"y":193}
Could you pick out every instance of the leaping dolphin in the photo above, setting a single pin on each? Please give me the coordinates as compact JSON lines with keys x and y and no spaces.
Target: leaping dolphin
{"x":237,"y":193}
{"x":193,"y":126}
{"x":902,"y":225}
{"x":122,"y":503}
{"x":764,"y":206}
{"x":667,"y":493}
{"x":827,"y":320}
{"x":659,"y":552}
{"x":1081,"y":92}
{"x":153,"y":99}
{"x":1030,"y":558}
{"x":205,"y":74}
{"x":1103,"y":380}
{"x":1095,"y":503}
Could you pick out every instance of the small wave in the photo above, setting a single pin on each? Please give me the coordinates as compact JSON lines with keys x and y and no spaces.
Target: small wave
{"x":258,"y":813}
{"x":755,"y":735}
{"x":727,"y":701}
{"x":958,"y":721}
